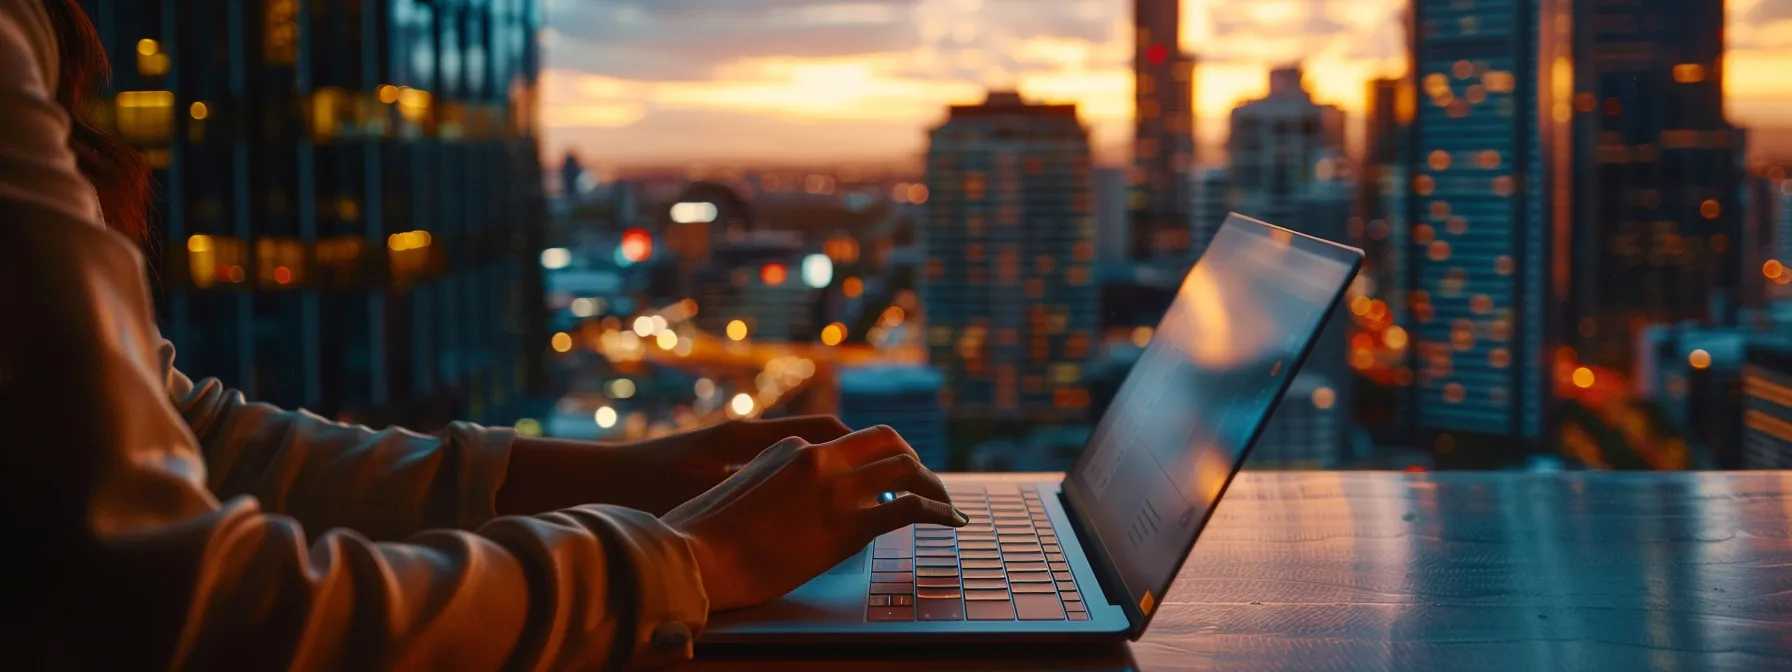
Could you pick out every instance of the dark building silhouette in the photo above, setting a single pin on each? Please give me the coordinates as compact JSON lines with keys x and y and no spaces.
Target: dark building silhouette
{"x":350,"y":200}
{"x":1163,"y":140}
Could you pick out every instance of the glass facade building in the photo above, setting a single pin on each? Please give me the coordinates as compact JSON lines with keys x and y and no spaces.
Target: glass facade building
{"x":350,"y":196}
{"x":1008,"y":288}
{"x":1163,"y":139}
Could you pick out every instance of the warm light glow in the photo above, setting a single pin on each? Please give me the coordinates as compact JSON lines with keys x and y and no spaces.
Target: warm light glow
{"x":199,"y":243}
{"x":818,"y":270}
{"x":1699,"y":359}
{"x":606,"y":417}
{"x":852,"y":287}
{"x":388,"y":93}
{"x":737,"y":331}
{"x":1324,"y":397}
{"x":198,"y":110}
{"x":413,"y":104}
{"x":1689,"y":73}
{"x":705,"y":388}
{"x":282,"y":275}
{"x":1710,"y":209}
{"x":622,"y":388}
{"x":833,"y":334}
{"x":527,"y":427}
{"x":643,"y":326}
{"x":742,"y":404}
{"x":1773,"y":269}
{"x":148,"y":47}
{"x":667,"y":339}
{"x":694,"y":213}
{"x":893,"y":316}
{"x":584,"y":307}
{"x":637,"y":245}
{"x":1141,"y":336}
{"x":1583,"y":377}
{"x":556,"y":258}
{"x":1359,"y":305}
{"x":1395,"y":338}
{"x":562,"y":342}
{"x":917,"y":193}
{"x":773,"y":274}
{"x":409,"y":240}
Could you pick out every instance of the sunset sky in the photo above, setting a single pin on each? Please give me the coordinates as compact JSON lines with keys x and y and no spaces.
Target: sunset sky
{"x":673,"y":82}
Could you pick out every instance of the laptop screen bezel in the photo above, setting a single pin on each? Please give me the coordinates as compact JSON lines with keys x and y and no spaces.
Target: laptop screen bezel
{"x":1094,"y":546}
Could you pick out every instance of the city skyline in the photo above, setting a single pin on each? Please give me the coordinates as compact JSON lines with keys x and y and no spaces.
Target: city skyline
{"x":632,"y":84}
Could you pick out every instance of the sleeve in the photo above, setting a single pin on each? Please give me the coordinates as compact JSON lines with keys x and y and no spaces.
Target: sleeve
{"x":385,"y":484}
{"x":119,"y":556}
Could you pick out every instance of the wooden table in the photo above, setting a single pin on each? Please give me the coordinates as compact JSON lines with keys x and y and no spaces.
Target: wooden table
{"x":1450,"y":571}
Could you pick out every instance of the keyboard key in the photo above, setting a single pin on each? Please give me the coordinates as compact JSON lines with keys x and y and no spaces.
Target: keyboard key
{"x":934,"y":543}
{"x":937,"y":582}
{"x":903,"y":600}
{"x":1079,"y":616}
{"x":1060,"y":567}
{"x":892,"y":565}
{"x":979,"y":555}
{"x":936,"y":553}
{"x":1061,"y":576}
{"x":876,"y":614}
{"x":936,"y":571}
{"x":1068,"y":592}
{"x":1022,"y":547}
{"x":891,"y":553}
{"x":983,"y":564}
{"x":936,"y":562}
{"x":1020,"y":566}
{"x":878,"y":601}
{"x":932,"y":526}
{"x":1022,"y":557}
{"x":892,"y":577}
{"x":1047,"y":537}
{"x":976,"y":537}
{"x":985,"y":595}
{"x":985,"y":584}
{"x":1072,"y":606}
{"x":932,"y":534}
{"x":1031,"y":587}
{"x":990,"y":610}
{"x":985,"y":574}
{"x":892,"y":588}
{"x":1052,"y":548}
{"x":1038,"y":607}
{"x":1054,"y":557}
{"x":977,"y":545}
{"x":1030,"y":577}
{"x":894,"y":539}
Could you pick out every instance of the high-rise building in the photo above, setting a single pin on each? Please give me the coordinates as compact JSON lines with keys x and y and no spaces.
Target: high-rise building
{"x":1212,"y":202}
{"x":1008,"y":289}
{"x":350,"y":199}
{"x":1767,"y":414}
{"x":1277,"y":146}
{"x":1486,"y":158}
{"x":1307,"y":429}
{"x":1163,"y":138}
{"x":1656,"y":199}
{"x":1113,"y":225}
{"x":907,"y":398}
{"x":1390,"y":109}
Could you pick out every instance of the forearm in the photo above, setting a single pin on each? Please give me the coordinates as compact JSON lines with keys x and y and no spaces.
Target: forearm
{"x":552,"y":474}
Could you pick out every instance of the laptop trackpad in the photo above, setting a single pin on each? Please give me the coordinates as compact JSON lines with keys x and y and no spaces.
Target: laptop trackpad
{"x":852,"y":565}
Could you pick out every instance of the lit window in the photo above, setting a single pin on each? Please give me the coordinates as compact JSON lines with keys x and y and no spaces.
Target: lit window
{"x":1423,"y":234}
{"x":973,"y":186}
{"x":329,"y":109}
{"x":1423,"y":185}
{"x":151,"y":62}
{"x":1440,"y":250}
{"x":145,"y":116}
{"x":1454,"y":393}
{"x":1488,"y":159}
{"x":1502,"y":185}
{"x":1439,"y":160}
{"x":1463,"y":69}
{"x":280,"y":31}
{"x":1440,"y":209}
{"x":1503,"y":265}
{"x":1457,"y":225}
{"x":1710,"y":209}
{"x":1689,"y":73}
{"x":279,"y":262}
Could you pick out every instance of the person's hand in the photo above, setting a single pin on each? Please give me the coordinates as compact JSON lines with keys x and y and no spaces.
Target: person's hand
{"x":799,"y":508}
{"x":652,"y":475}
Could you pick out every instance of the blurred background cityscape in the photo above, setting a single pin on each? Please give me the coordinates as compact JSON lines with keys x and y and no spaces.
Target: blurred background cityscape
{"x":617,"y":219}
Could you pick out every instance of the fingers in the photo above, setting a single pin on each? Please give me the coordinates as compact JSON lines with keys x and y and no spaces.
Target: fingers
{"x":909,"y":509}
{"x":899,"y":473}
{"x":868,"y":445}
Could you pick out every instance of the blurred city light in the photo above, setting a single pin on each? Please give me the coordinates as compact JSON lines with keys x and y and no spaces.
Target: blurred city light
{"x":644,"y":326}
{"x":773,"y":274}
{"x":705,"y":388}
{"x":833,"y":334}
{"x":659,"y":323}
{"x":527,"y":427}
{"x":818,"y":270}
{"x":742,"y":404}
{"x":737,"y":330}
{"x":562,"y":342}
{"x":556,"y":258}
{"x":1583,"y":377}
{"x":622,"y":388}
{"x":585,"y":307}
{"x":693,"y":213}
{"x":1141,"y":336}
{"x":606,"y":417}
{"x":1324,"y":397}
{"x":667,"y":340}
{"x":1699,"y":359}
{"x":852,"y":287}
{"x":637,"y":245}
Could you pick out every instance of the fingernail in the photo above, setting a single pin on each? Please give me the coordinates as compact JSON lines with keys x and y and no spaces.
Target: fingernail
{"x":960,"y":518}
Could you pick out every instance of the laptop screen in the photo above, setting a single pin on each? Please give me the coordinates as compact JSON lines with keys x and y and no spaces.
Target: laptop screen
{"x":1182,"y":421}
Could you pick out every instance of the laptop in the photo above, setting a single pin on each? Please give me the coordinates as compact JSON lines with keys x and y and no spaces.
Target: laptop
{"x":1091,"y":557}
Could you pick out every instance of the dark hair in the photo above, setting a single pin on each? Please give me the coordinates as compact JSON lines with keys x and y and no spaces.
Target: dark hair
{"x":117,"y":171}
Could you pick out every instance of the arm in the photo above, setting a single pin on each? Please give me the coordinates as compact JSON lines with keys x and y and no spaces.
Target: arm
{"x":129,"y":560}
{"x":384,"y":484}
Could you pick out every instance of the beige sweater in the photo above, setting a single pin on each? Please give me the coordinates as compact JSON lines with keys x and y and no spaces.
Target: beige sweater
{"x":170,"y":524}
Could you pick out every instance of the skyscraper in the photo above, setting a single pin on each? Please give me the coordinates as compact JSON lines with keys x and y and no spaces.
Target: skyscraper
{"x":1113,"y":224}
{"x":907,"y":398}
{"x":1163,"y":139}
{"x":350,"y":196}
{"x":1008,"y":290}
{"x":1657,"y":199}
{"x":1277,"y":145}
{"x":1212,"y":202}
{"x":1486,"y":156}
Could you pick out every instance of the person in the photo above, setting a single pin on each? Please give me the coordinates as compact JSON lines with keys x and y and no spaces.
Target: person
{"x":160,"y":522}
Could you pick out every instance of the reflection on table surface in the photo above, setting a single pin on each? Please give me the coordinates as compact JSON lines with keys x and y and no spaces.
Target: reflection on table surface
{"x":1456,"y":571}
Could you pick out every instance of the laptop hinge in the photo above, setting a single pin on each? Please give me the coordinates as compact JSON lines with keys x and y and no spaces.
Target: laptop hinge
{"x":1105,"y":572}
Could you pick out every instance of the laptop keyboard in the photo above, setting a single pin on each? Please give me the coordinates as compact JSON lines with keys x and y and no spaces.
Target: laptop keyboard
{"x":1006,"y":565}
